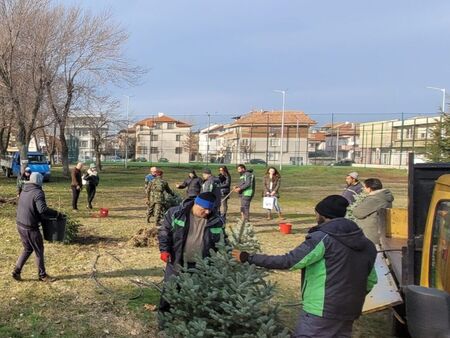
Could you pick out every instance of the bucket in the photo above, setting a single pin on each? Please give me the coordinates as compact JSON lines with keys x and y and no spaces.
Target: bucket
{"x":285,"y":228}
{"x":104,"y":212}
{"x":54,"y":229}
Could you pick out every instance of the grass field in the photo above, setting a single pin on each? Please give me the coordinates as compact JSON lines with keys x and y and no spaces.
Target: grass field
{"x":76,"y":305}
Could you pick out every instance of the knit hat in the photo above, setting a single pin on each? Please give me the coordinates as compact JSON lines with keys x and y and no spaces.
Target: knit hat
{"x":207,"y":171}
{"x":36,"y":178}
{"x":353,"y":174}
{"x":332,"y":206}
{"x":206,"y":200}
{"x":28,"y":170}
{"x":92,"y":165}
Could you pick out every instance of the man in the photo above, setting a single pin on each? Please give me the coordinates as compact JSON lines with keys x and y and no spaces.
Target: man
{"x":76,"y":185}
{"x":31,"y":208}
{"x":22,"y":179}
{"x":367,"y":213}
{"x":337,"y":263}
{"x":211,"y":184}
{"x":155,"y":197}
{"x":150,"y":177}
{"x":187,"y":231}
{"x":246,"y":190}
{"x":354,"y":187}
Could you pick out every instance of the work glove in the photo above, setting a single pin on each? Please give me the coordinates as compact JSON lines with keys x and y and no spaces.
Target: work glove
{"x":165,"y":256}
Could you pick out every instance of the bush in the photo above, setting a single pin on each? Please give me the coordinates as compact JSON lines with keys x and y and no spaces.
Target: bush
{"x":72,"y":229}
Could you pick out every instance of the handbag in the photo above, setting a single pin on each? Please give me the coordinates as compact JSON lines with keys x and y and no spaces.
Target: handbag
{"x":268,"y":202}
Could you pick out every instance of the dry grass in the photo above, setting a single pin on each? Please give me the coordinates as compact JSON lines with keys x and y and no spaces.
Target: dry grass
{"x":76,"y":306}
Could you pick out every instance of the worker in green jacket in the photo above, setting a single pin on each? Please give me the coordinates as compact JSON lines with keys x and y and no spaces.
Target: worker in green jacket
{"x":246,"y":190}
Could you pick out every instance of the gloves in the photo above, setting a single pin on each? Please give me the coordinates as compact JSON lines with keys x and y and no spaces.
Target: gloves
{"x":165,"y":256}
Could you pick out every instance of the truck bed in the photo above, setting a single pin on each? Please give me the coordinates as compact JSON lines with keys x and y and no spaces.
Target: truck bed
{"x":393,"y":252}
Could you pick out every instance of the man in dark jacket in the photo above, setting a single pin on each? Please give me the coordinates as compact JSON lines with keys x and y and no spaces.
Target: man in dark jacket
{"x":76,"y":184}
{"x":354,"y":187}
{"x":337,"y":263}
{"x":193,"y":184}
{"x":188,"y":231}
{"x":31,"y":208}
{"x":246,"y":190}
{"x":211,"y":184}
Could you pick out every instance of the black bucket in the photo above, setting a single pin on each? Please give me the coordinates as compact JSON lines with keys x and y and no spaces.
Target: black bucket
{"x":54,"y":229}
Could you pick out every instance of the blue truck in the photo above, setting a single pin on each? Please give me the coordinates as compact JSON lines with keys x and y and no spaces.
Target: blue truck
{"x":37,"y":162}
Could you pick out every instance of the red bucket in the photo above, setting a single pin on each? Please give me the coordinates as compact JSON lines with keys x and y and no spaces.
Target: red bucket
{"x":285,"y":228}
{"x":104,"y":212}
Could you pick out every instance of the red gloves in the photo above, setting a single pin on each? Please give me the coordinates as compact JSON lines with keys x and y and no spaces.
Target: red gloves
{"x":165,"y":256}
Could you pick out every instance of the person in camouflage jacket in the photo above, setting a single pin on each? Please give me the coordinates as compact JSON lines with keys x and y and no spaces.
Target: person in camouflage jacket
{"x":156,"y":199}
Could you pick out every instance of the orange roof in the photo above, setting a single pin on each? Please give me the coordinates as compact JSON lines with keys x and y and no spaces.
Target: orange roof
{"x":150,"y":121}
{"x":318,"y":136}
{"x":274,"y":117}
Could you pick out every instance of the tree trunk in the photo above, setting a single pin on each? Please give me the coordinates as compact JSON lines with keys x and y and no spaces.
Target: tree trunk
{"x":64,"y":149}
{"x":22,"y":144}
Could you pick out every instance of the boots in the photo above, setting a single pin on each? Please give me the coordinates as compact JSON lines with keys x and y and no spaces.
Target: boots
{"x":269,"y":215}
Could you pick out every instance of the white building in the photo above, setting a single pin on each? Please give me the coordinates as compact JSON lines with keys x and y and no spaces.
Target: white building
{"x":162,"y":137}
{"x":209,"y":142}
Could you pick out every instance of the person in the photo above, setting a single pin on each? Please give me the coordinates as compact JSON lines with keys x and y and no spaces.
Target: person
{"x":76,"y":185}
{"x":246,"y":190}
{"x":193,"y":183}
{"x":224,"y":186}
{"x":187,"y":231}
{"x":368,"y":212}
{"x":155,"y":197}
{"x":22,"y":179}
{"x":337,"y":263}
{"x":32,"y":209}
{"x":92,"y":180}
{"x":354,"y":187}
{"x":211,"y":184}
{"x":148,"y":178}
{"x":272,"y":181}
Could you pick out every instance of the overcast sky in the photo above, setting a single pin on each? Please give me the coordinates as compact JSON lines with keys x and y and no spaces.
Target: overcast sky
{"x":361,"y":60}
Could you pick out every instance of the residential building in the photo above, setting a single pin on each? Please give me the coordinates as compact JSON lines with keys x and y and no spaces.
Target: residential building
{"x":258,"y":135}
{"x":389,"y":142}
{"x":316,"y":143}
{"x":341,"y":140}
{"x":208,"y":142}
{"x":162,"y":136}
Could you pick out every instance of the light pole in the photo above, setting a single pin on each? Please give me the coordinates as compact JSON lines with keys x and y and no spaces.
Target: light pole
{"x":283,"y":93}
{"x":443,"y":97}
{"x":126,"y":135}
{"x":207,"y":138}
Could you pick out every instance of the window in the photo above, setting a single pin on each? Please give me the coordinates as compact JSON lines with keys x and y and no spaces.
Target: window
{"x":178,"y":150}
{"x":178,"y":137}
{"x":154,"y":150}
{"x":170,"y":125}
{"x":244,"y":142}
{"x":274,"y":156}
{"x":154,"y":137}
{"x":440,"y":244}
{"x":409,"y":133}
{"x":158,"y":125}
{"x":274,"y":130}
{"x":274,"y":142}
{"x":84,"y":144}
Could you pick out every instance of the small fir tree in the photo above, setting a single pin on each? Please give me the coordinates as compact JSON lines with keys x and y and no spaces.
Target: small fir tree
{"x":438,"y":149}
{"x":358,"y":199}
{"x":242,"y":237}
{"x":221,"y":298}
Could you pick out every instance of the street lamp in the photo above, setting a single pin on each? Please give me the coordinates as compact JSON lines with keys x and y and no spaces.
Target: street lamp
{"x":283,"y":93}
{"x":126,"y":135}
{"x":443,"y":97}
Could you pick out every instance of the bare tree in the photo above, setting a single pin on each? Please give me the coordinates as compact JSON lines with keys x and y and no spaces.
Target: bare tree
{"x":190,"y":144}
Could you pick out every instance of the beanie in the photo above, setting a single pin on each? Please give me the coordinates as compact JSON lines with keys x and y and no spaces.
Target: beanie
{"x":28,"y":170}
{"x":207,"y":171}
{"x":332,"y":206}
{"x":92,"y":165}
{"x":206,"y":200}
{"x":36,"y":178}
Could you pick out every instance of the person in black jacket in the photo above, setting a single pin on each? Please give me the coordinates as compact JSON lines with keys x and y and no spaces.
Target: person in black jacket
{"x":31,"y":209}
{"x":187,"y":231}
{"x":337,"y":263}
{"x":225,"y":186}
{"x":92,"y":180}
{"x":193,"y":184}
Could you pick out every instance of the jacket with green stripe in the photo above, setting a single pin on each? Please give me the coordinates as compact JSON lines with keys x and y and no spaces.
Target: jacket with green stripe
{"x":247,"y":184}
{"x":175,"y":228}
{"x":337,"y":263}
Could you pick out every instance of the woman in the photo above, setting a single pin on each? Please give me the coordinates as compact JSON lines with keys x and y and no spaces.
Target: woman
{"x":224,"y":185}
{"x":193,"y":183}
{"x":92,"y":179}
{"x":272,"y":180}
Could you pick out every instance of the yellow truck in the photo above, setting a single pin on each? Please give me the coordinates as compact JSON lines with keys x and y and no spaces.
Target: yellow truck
{"x":416,"y":243}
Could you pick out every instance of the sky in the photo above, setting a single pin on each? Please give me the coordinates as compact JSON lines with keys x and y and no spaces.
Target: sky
{"x":360,"y":60}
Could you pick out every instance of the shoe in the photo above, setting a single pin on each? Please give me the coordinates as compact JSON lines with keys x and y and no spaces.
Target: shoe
{"x":47,"y":279}
{"x":16,"y":276}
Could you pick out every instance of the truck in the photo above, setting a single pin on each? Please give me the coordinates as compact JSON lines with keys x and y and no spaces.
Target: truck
{"x":416,"y":242}
{"x":36,"y":161}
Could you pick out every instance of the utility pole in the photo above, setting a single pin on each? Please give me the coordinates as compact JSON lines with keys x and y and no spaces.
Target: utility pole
{"x":207,"y":137}
{"x":337,"y":143}
{"x":283,"y":92}
{"x":126,"y":135}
